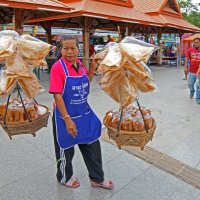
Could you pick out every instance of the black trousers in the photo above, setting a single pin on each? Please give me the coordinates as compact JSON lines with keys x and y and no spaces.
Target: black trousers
{"x":91,"y":154}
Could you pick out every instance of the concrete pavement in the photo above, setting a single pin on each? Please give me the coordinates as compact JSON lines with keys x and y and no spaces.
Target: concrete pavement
{"x":28,"y":166}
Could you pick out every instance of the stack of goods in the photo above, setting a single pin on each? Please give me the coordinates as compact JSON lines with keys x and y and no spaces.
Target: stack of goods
{"x":122,"y":74}
{"x":130,"y":127}
{"x":21,"y":54}
{"x":17,"y":113}
{"x":132,"y":119}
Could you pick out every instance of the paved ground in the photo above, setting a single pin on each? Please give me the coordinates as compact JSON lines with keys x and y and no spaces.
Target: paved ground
{"x":27,"y":164}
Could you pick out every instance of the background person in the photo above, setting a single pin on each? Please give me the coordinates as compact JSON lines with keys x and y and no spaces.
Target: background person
{"x":91,"y":46}
{"x":109,"y":39}
{"x":193,"y":55}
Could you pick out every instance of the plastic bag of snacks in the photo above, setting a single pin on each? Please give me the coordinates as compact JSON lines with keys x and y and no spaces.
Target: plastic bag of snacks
{"x":122,"y":70}
{"x":21,"y":55}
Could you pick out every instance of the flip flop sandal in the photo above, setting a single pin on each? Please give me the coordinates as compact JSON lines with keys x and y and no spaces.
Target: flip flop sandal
{"x":105,"y":184}
{"x":73,"y":183}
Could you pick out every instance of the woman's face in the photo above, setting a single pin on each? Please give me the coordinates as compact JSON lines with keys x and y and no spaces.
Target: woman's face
{"x":69,"y":50}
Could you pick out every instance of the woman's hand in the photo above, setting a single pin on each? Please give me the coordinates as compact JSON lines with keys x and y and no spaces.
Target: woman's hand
{"x":94,"y":63}
{"x":71,"y":127}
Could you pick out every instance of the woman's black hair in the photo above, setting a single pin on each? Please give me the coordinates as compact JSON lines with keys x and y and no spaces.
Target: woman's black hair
{"x":68,"y":37}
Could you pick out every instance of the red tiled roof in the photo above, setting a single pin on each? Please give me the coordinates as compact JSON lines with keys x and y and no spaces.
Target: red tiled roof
{"x":103,"y":9}
{"x":167,"y":9}
{"x":148,"y":5}
{"x":176,"y":22}
{"x":35,"y":4}
{"x":127,"y":3}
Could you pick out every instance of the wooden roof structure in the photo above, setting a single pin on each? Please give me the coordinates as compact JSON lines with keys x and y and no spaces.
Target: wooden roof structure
{"x":108,"y":14}
{"x":33,"y":9}
{"x":103,"y":14}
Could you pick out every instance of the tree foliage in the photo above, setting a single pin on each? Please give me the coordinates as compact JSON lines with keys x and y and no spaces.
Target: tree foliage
{"x":190,"y":11}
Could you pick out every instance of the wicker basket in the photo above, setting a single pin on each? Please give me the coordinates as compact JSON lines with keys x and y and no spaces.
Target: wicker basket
{"x":28,"y":127}
{"x":129,"y":138}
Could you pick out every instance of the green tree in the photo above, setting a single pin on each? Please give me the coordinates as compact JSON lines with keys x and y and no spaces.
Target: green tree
{"x":190,"y":11}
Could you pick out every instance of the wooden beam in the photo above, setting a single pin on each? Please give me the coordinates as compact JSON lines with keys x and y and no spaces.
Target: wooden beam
{"x":127,"y":30}
{"x":100,"y":23}
{"x":67,"y":22}
{"x":86,"y":32}
{"x":47,"y":27}
{"x":18,"y":20}
{"x":159,"y":55}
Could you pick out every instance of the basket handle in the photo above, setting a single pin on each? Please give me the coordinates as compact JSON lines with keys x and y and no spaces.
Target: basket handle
{"x":19,"y":94}
{"x":142,"y":115}
{"x":119,"y":123}
{"x":35,"y":101}
{"x":6,"y":109}
{"x":7,"y":104}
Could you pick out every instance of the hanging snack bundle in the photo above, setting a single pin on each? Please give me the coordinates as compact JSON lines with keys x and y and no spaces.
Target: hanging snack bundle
{"x":122,"y":70}
{"x":21,"y":55}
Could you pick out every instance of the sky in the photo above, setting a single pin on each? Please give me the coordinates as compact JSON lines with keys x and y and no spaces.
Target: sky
{"x":196,"y":1}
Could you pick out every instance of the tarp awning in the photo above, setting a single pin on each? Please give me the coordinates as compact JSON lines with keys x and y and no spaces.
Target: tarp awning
{"x":191,"y":38}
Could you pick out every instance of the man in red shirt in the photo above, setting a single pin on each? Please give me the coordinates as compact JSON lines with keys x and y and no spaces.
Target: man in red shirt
{"x":193,"y":54}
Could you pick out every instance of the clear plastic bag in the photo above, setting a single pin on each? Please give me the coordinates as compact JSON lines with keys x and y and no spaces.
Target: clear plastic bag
{"x":17,"y":65}
{"x":8,"y":43}
{"x":32,"y":48}
{"x":123,"y":70}
{"x":137,"y":50}
{"x":7,"y":83}
{"x":21,"y":55}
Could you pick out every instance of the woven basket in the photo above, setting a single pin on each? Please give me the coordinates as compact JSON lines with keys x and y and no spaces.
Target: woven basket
{"x":28,"y":127}
{"x":129,"y":138}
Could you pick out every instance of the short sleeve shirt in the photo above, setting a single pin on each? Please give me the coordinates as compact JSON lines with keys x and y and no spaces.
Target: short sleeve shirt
{"x":58,"y":76}
{"x":194,"y":56}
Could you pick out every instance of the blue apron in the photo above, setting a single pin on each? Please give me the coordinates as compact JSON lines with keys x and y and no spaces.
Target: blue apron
{"x":75,"y":93}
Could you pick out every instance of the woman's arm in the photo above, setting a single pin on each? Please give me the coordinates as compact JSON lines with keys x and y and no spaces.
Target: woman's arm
{"x":70,"y":125}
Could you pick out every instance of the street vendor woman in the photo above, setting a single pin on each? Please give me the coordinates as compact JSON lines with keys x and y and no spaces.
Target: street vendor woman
{"x":74,"y":122}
